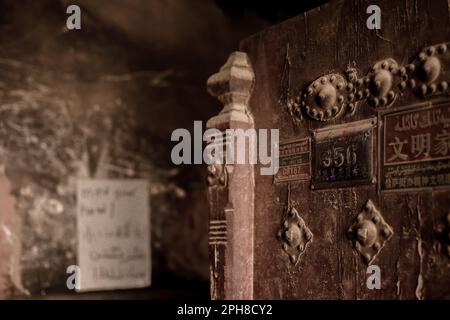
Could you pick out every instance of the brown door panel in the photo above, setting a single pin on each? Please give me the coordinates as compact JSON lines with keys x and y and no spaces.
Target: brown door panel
{"x":372,"y":188}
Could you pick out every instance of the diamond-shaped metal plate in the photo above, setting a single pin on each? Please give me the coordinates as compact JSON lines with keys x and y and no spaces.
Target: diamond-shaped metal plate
{"x":369,"y":232}
{"x":294,"y":236}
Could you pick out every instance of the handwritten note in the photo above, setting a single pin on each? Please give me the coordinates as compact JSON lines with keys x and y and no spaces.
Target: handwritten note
{"x":113,"y":222}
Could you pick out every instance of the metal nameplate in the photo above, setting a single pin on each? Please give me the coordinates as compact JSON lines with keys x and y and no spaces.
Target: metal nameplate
{"x":415,"y":148}
{"x":294,"y":161}
{"x":343,"y":155}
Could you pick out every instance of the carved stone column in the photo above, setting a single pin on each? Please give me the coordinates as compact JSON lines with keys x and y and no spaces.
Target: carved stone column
{"x":231,"y":187}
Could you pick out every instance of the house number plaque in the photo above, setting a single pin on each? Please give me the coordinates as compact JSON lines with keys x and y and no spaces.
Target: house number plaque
{"x":343,"y":155}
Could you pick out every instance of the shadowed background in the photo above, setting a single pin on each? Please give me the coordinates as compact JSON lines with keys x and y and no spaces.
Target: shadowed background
{"x":102,"y":102}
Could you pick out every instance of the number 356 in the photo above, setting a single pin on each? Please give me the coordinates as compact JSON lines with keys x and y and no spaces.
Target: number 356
{"x":338,"y":156}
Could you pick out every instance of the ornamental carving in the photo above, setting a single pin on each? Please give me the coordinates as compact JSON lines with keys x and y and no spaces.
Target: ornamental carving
{"x":369,"y":232}
{"x":333,"y":95}
{"x":294,"y":236}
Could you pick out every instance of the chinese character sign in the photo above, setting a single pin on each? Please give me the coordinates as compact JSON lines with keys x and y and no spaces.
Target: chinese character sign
{"x":416,"y":148}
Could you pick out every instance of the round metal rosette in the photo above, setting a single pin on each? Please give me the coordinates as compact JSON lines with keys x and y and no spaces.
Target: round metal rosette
{"x":428,"y":78}
{"x":383,"y":81}
{"x":325,"y":98}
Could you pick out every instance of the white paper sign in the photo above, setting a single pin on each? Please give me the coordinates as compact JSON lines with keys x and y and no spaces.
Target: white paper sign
{"x":113,"y":222}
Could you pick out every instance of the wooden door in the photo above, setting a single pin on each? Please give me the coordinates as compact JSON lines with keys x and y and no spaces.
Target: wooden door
{"x":364,"y":125}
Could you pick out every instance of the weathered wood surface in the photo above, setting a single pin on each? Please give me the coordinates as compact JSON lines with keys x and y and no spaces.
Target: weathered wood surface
{"x":286,"y":59}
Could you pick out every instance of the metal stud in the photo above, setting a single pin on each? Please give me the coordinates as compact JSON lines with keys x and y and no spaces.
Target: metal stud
{"x":422,"y":57}
{"x":320,"y":113}
{"x":359,"y":95}
{"x":432,"y":88}
{"x":430,"y":51}
{"x":423,"y":89}
{"x":335,"y":109}
{"x":391,"y":95}
{"x":376,"y":101}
